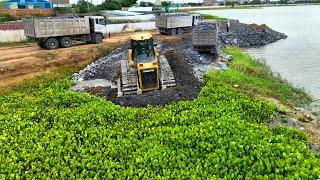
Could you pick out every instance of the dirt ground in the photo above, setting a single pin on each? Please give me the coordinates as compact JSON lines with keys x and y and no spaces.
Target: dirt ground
{"x":188,"y":87}
{"x":184,"y":61}
{"x":18,"y":63}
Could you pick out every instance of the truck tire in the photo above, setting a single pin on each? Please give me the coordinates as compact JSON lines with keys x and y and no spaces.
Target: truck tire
{"x":51,"y":43}
{"x":98,"y":38}
{"x":65,"y":42}
{"x":173,"y":32}
{"x":40,"y":43}
{"x":180,"y":30}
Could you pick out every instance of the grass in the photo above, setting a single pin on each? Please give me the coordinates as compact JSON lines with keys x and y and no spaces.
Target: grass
{"x":212,"y":17}
{"x":72,"y":61}
{"x":256,"y":79}
{"x":19,"y":43}
{"x":47,"y":56}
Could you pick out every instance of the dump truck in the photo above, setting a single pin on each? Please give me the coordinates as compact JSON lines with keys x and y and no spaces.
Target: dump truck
{"x":176,"y":23}
{"x":205,"y":37}
{"x":145,"y":69}
{"x":51,"y":33}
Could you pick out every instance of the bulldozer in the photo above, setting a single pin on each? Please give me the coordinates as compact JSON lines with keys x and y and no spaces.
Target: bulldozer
{"x":145,"y":69}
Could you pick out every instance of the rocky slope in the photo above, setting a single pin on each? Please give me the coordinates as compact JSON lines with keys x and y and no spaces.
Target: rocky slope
{"x":248,"y":35}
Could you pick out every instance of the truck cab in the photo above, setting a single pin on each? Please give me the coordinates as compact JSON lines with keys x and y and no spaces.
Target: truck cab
{"x":98,"y":25}
{"x":196,"y":18}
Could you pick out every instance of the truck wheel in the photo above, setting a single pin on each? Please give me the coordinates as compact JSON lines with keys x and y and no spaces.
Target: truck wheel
{"x":180,"y":31}
{"x":51,"y":43}
{"x":65,"y":42}
{"x":98,"y":38}
{"x":40,"y":43}
{"x":173,"y":31}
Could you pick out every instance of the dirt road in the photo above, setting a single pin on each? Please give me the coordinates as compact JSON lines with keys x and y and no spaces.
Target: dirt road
{"x":18,"y":63}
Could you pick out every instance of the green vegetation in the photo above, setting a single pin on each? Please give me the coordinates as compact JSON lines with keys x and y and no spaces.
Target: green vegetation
{"x":19,"y":43}
{"x":2,"y":4}
{"x":46,"y":56}
{"x":86,"y":7}
{"x":211,"y":17}
{"x":255,"y":78}
{"x":47,"y":130}
{"x":6,"y":18}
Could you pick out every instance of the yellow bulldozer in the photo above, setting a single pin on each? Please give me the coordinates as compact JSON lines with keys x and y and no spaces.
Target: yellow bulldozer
{"x":145,"y":69}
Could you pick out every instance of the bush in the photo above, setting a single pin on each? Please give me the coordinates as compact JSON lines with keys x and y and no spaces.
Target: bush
{"x":207,"y":16}
{"x":49,"y":131}
{"x":6,"y":18}
{"x":110,"y":5}
{"x":146,"y":4}
{"x":63,"y":10}
{"x":2,"y":4}
{"x":116,"y":5}
{"x":127,"y":3}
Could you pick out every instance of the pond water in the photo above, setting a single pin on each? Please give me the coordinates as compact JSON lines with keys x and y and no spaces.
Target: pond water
{"x":296,"y":58}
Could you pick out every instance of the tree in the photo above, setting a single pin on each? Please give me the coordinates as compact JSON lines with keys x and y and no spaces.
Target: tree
{"x":256,"y":2}
{"x":110,"y":5}
{"x":165,"y":3}
{"x":84,"y":6}
{"x":127,"y":3}
{"x":2,"y":4}
{"x":146,"y":4}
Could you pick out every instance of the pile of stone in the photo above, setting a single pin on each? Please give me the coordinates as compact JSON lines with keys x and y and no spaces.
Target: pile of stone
{"x":244,"y":35}
{"x":103,"y":68}
{"x":205,"y":26}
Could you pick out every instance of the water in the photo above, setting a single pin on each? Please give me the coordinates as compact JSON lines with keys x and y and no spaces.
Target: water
{"x":296,"y":58}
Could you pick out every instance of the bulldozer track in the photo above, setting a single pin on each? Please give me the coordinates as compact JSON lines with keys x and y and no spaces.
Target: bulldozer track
{"x":129,"y":79}
{"x":128,"y":83}
{"x":166,"y":75}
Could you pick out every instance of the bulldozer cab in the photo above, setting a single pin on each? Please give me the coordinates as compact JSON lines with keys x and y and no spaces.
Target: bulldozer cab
{"x":143,"y":57}
{"x":145,"y":69}
{"x":143,"y":50}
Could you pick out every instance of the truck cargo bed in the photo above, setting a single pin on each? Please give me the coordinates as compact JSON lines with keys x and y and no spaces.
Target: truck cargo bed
{"x":205,"y":36}
{"x":53,"y":27}
{"x":173,"y":20}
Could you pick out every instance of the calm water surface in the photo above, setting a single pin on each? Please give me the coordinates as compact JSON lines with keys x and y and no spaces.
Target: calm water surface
{"x":296,"y":58}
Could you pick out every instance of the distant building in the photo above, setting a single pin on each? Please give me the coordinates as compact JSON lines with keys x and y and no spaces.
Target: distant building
{"x":208,"y":2}
{"x":61,"y":3}
{"x":28,"y":4}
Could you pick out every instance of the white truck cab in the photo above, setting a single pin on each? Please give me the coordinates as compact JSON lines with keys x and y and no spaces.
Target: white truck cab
{"x":98,"y":24}
{"x":196,"y":18}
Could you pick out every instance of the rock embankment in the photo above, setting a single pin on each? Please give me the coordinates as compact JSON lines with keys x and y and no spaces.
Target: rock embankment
{"x":248,"y":35}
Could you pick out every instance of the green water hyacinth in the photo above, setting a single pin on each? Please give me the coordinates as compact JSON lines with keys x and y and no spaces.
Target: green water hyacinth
{"x":49,"y":131}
